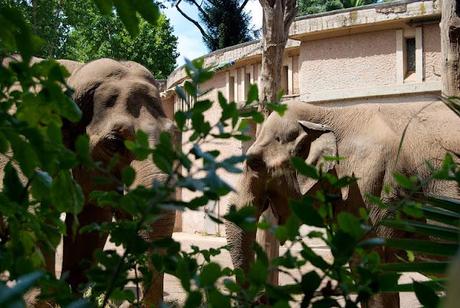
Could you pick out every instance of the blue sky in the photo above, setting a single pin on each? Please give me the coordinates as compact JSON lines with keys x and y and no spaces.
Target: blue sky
{"x":190,"y":43}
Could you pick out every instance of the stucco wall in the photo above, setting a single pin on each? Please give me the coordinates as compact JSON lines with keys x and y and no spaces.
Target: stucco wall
{"x":432,"y":52}
{"x":197,"y":221}
{"x":353,"y":61}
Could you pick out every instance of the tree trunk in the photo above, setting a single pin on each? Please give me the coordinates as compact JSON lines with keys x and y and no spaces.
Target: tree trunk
{"x":450,"y":47}
{"x":450,"y":53}
{"x":278,"y":16}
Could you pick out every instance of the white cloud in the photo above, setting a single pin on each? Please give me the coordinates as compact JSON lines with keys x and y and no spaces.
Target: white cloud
{"x":255,"y":10}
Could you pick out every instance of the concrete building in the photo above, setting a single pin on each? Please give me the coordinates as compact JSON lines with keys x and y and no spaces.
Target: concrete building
{"x":388,"y":52}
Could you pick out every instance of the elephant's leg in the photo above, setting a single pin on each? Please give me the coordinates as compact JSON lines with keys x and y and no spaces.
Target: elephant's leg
{"x":50,"y":261}
{"x":387,"y":255}
{"x":78,"y":251}
{"x":380,"y":300}
{"x":162,"y":228}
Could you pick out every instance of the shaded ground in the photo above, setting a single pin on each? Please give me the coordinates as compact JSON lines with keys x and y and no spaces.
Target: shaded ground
{"x":173,"y":288}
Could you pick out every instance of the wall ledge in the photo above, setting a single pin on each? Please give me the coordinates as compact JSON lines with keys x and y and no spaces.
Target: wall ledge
{"x":343,"y":94}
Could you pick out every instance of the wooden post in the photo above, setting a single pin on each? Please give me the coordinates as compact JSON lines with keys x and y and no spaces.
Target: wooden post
{"x":269,"y":243}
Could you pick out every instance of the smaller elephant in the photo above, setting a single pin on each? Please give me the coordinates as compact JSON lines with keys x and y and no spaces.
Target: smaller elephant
{"x":367,"y":136}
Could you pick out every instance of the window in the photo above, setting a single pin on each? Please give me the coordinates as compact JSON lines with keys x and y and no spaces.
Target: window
{"x":247,"y":83}
{"x":231,"y":88}
{"x":410,"y":56}
{"x":285,"y":79}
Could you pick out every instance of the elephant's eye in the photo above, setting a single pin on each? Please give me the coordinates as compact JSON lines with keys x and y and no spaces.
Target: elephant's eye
{"x":278,"y":139}
{"x":291,"y":136}
{"x":110,"y":102}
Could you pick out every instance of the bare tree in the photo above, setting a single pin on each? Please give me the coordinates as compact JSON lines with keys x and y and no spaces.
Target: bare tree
{"x":450,"y":47}
{"x":278,"y":16}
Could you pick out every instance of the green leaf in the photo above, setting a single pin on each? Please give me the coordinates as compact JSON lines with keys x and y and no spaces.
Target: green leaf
{"x":209,"y":274}
{"x":441,"y":215}
{"x":446,"y":203}
{"x":350,"y":224}
{"x":253,"y":94}
{"x":310,"y":283}
{"x":180,"y":118}
{"x":403,"y":181}
{"x":243,"y":217}
{"x":258,"y":273}
{"x":429,"y":247}
{"x":202,"y":106}
{"x":12,"y":185}
{"x":426,"y":296}
{"x":24,"y":154}
{"x":443,"y":232}
{"x":437,"y":284}
{"x":41,"y":184}
{"x":128,"y":175}
{"x":420,"y":267}
{"x":127,"y":16}
{"x":66,"y":194}
{"x":148,"y":9}
{"x":305,"y":211}
{"x":278,"y":108}
{"x":105,"y":6}
{"x":193,"y":299}
{"x":303,"y":168}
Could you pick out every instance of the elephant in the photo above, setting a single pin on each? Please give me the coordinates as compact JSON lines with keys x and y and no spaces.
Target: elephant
{"x":367,"y":136}
{"x":117,"y":98}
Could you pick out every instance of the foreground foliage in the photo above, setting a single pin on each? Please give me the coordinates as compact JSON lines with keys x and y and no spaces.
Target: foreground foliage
{"x":77,"y":30}
{"x":38,"y":188}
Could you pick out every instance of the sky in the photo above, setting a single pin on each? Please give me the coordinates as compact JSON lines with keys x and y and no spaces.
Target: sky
{"x":190,"y":43}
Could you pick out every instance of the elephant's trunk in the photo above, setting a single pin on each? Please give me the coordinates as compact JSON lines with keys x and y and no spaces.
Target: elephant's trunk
{"x":146,"y":173}
{"x":250,"y":192}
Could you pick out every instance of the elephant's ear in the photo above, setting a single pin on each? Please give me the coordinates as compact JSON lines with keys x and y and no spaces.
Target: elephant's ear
{"x":320,"y":141}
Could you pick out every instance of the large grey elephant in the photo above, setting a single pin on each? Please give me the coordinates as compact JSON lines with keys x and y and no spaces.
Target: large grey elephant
{"x":117,"y":99}
{"x":367,"y":136}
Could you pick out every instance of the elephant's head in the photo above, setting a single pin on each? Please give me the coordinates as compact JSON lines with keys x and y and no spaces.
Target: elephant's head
{"x":269,"y":159}
{"x":117,"y":99}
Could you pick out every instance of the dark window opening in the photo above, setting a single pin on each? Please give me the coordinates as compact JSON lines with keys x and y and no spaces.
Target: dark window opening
{"x":285,"y":79}
{"x":231,"y":85}
{"x":410,"y":56}
{"x":247,"y":83}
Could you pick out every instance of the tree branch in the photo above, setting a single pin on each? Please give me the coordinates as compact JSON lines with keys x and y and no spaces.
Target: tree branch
{"x":201,"y":10}
{"x":242,"y":6}
{"x":203,"y":33}
{"x":290,"y":12}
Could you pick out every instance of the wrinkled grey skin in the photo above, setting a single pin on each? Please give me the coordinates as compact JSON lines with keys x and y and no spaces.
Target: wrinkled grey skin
{"x":117,"y":99}
{"x":367,"y":136}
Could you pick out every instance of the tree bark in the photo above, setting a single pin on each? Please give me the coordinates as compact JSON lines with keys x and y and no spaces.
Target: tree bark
{"x":450,"y":47}
{"x":278,"y":16}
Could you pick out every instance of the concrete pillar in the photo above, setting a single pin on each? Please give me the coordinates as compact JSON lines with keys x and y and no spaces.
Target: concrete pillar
{"x":400,"y":59}
{"x":419,"y":65}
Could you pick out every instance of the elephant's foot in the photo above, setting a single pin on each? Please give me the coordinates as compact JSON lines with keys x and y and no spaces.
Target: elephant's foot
{"x":383,"y":300}
{"x":153,"y":296}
